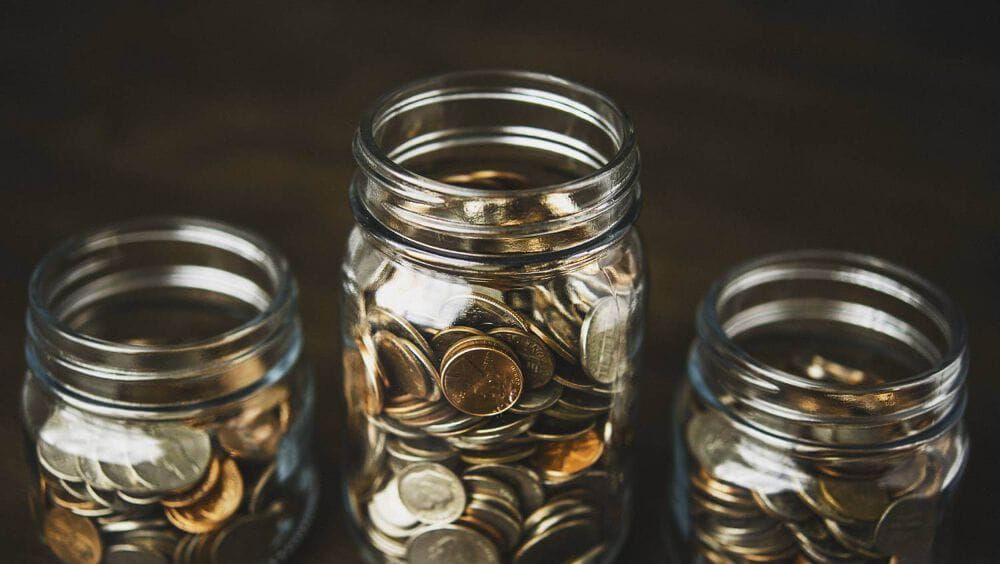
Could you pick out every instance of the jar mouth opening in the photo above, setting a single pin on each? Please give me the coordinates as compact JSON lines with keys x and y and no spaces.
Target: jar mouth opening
{"x":576,"y":100}
{"x":915,"y":314}
{"x":495,"y":163}
{"x":265,"y":286}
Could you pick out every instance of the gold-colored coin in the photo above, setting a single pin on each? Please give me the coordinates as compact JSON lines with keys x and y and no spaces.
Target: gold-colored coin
{"x":536,"y":360}
{"x":73,"y":539}
{"x":256,"y":432}
{"x":407,"y":368}
{"x":198,"y":492}
{"x":487,"y":178}
{"x":481,"y":379}
{"x":566,"y":458}
{"x":213,"y":509}
{"x":862,"y":500}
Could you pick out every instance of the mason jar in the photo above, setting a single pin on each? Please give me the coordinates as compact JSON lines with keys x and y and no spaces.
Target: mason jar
{"x":492,"y":315}
{"x":821,"y":420}
{"x":166,"y":403}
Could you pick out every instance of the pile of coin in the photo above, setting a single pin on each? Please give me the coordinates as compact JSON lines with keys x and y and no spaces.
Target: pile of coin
{"x":765,"y":508}
{"x":490,"y":436}
{"x":117,"y":491}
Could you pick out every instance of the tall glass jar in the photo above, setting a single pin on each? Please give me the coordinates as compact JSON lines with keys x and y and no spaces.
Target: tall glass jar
{"x":167,"y":407}
{"x":821,"y":420}
{"x":492,"y":315}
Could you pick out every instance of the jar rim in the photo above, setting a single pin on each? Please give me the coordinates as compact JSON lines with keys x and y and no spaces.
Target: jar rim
{"x":551,"y":124}
{"x":954,"y":323}
{"x":494,"y":78}
{"x":96,"y":373}
{"x":110,"y":235}
{"x":861,"y":291}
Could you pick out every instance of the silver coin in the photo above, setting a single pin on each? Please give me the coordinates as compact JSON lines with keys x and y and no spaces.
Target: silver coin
{"x":58,"y":462}
{"x":89,"y":468}
{"x":389,"y":507}
{"x":603,"y":340}
{"x":179,"y":456}
{"x":451,"y":544}
{"x":479,"y":311}
{"x":134,"y":554}
{"x":540,"y":399}
{"x":432,"y":492}
{"x":559,"y":543}
{"x":525,"y":480}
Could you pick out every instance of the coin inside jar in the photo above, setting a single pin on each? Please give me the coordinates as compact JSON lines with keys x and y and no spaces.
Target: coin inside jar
{"x":72,"y":538}
{"x":208,"y":513}
{"x":407,"y":368}
{"x":565,"y":458}
{"x":451,"y":544}
{"x":536,"y":360}
{"x":480,"y":379}
{"x":431,"y":492}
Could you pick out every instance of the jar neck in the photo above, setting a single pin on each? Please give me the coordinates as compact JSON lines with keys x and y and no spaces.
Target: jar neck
{"x":161,"y":315}
{"x":831,"y":350}
{"x":492,"y":165}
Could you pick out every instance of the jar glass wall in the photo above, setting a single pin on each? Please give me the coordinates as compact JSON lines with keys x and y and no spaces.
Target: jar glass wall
{"x":821,"y":419}
{"x":166,"y":405}
{"x":493,"y":303}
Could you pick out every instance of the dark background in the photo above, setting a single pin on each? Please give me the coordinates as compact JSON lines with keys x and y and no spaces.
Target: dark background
{"x":869,"y":126}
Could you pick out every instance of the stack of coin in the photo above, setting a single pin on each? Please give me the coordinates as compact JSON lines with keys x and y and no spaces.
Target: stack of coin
{"x":486,"y":430}
{"x":769,"y":509}
{"x":118,"y":491}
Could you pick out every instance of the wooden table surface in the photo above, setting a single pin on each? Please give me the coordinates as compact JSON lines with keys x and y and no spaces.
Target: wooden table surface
{"x":862,"y":126}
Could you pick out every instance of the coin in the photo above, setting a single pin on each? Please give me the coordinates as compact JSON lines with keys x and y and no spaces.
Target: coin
{"x":446,"y":338}
{"x":72,"y":538}
{"x":245,"y":539}
{"x":861,"y":500}
{"x":431,"y":492}
{"x":560,"y":543}
{"x":477,"y":310}
{"x":371,"y":392}
{"x":540,"y":399}
{"x":524,"y":479}
{"x":198,"y":492}
{"x":219,"y":504}
{"x":407,"y":369}
{"x":451,"y":544}
{"x":175,"y":459}
{"x":536,"y":360}
{"x":134,"y":554}
{"x":481,"y":380}
{"x":56,"y":461}
{"x":565,"y":458}
{"x":603,"y":340}
{"x":256,"y":432}
{"x":384,"y":320}
{"x":907,"y":528}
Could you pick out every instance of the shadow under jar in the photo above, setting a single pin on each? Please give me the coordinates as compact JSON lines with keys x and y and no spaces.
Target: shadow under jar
{"x":167,"y":409}
{"x":821,"y":420}
{"x":493,"y":303}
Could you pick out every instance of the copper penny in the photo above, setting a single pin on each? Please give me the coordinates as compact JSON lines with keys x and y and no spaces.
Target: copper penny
{"x":566,"y":458}
{"x":198,"y":492}
{"x":72,"y":538}
{"x":480,"y":379}
{"x":218,"y":505}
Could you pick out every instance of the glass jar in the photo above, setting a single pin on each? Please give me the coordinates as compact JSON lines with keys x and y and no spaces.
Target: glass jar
{"x":821,"y":419}
{"x":166,"y":405}
{"x":492,"y":315}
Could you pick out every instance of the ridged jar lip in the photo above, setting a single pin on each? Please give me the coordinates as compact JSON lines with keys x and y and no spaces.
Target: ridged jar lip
{"x":164,"y":229}
{"x":907,"y":286}
{"x":538,"y":85}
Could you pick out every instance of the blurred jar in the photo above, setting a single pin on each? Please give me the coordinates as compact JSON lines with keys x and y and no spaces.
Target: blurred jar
{"x":167,"y":408}
{"x":493,"y":304}
{"x":821,"y":420}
